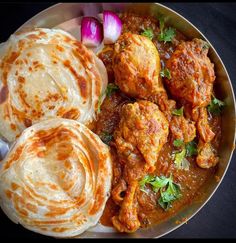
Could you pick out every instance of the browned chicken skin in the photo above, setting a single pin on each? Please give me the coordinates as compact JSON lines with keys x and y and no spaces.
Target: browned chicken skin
{"x":136,"y":65}
{"x":142,"y":131}
{"x":192,"y":73}
{"x":192,"y":78}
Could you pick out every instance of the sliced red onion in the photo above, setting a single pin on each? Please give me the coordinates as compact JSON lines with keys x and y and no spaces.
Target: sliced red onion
{"x":111,"y":26}
{"x":91,"y":32}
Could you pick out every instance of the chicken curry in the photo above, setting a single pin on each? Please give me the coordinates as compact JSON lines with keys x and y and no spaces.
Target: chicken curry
{"x":161,"y":120}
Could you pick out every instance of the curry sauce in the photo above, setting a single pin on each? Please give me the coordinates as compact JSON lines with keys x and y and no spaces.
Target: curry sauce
{"x":149,"y":212}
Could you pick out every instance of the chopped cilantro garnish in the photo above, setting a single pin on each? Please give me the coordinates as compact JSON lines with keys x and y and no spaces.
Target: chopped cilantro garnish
{"x":167,"y":35}
{"x":111,"y":88}
{"x":169,"y":195}
{"x":178,"y":112}
{"x":165,"y":73}
{"x":216,"y":106}
{"x":180,"y":161}
{"x":148,"y":33}
{"x":191,"y":149}
{"x":169,"y":191}
{"x":178,"y":143}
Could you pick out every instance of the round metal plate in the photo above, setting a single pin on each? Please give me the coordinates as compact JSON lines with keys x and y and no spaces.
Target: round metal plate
{"x":58,"y":14}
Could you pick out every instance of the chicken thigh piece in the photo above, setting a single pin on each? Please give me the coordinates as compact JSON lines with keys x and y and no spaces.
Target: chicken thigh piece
{"x":192,"y":78}
{"x":142,"y":131}
{"x":136,"y":65}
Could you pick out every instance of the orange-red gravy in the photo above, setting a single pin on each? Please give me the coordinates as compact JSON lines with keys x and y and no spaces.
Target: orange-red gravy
{"x":190,"y":181}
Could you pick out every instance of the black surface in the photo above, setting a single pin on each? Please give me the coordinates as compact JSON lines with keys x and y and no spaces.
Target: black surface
{"x":217,"y":22}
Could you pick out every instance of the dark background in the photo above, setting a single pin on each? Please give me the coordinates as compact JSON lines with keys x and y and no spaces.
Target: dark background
{"x":217,"y":22}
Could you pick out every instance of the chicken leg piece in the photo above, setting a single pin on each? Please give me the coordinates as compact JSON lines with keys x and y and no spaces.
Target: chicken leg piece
{"x":142,"y":131}
{"x":192,"y":78}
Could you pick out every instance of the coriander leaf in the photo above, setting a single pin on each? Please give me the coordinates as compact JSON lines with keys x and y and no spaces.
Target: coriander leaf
{"x":178,"y":112}
{"x":155,"y":181}
{"x":191,"y":149}
{"x":148,"y":33}
{"x":106,"y":137}
{"x":216,"y":106}
{"x":146,"y":179}
{"x":185,"y":164}
{"x":158,"y":183}
{"x":219,"y":102}
{"x":164,"y":205}
{"x":169,"y":191}
{"x":180,"y":161}
{"x":167,"y":35}
{"x":169,"y":195}
{"x":100,"y":102}
{"x":173,"y":192}
{"x":165,"y":73}
{"x":111,"y":88}
{"x":178,"y":143}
